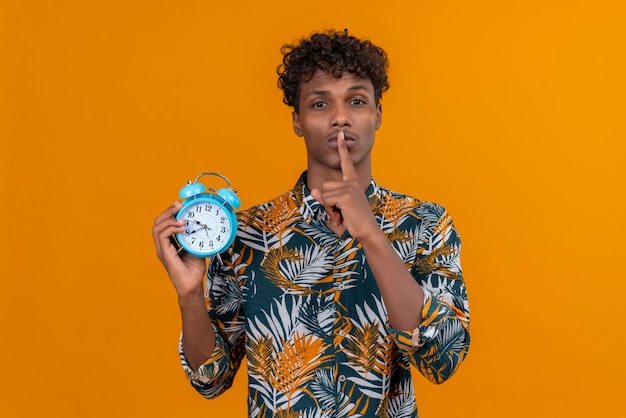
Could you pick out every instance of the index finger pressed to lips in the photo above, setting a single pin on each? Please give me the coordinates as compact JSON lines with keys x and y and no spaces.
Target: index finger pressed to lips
{"x":347,"y":168}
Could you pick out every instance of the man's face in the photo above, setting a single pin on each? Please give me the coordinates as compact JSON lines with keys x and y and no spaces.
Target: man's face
{"x":329,"y":105}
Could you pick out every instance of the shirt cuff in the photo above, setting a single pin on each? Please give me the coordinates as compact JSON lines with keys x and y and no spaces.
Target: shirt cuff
{"x":425,"y":332}
{"x":208,"y":371}
{"x":411,"y":341}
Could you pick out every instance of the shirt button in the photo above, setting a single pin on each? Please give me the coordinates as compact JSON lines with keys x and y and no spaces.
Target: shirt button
{"x":342,"y":332}
{"x":341,"y":286}
{"x":342,"y":378}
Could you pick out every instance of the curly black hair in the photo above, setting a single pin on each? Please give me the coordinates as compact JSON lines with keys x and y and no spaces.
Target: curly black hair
{"x":332,"y":52}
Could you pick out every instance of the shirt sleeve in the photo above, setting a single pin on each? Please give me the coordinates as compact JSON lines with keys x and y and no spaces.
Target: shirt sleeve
{"x":221,"y":295}
{"x":441,"y":342}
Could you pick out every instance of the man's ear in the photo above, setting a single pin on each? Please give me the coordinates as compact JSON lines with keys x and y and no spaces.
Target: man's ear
{"x":295,"y":119}
{"x":379,"y":115}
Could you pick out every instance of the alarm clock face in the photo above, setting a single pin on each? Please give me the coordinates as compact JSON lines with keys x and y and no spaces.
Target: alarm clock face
{"x":210,"y":227}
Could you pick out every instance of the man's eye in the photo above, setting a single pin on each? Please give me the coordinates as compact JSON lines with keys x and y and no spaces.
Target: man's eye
{"x":318,"y":104}
{"x":358,"y":101}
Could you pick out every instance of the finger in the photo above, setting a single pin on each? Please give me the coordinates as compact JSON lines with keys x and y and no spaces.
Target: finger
{"x":165,"y":225}
{"x":166,"y":219}
{"x":317,"y":195}
{"x":169,"y":212}
{"x":334,"y":214}
{"x":347,"y":168}
{"x":164,"y":231}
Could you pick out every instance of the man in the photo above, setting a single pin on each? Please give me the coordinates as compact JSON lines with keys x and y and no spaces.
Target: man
{"x":335,"y":288}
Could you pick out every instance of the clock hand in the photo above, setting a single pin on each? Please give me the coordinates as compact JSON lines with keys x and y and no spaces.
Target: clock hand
{"x":204,"y":226}
{"x":193,"y":232}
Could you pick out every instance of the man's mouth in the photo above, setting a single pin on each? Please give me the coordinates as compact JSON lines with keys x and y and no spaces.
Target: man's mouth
{"x":350,"y":141}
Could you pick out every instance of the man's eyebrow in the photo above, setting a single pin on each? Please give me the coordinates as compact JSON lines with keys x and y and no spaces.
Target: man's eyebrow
{"x":318,"y":93}
{"x":358,"y":87}
{"x":326,"y":92}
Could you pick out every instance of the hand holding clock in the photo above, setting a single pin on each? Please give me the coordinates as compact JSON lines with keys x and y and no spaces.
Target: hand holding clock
{"x":200,"y":208}
{"x":186,"y":272}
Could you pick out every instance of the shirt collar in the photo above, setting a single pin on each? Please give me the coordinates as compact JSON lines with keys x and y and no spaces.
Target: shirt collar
{"x":311,"y":209}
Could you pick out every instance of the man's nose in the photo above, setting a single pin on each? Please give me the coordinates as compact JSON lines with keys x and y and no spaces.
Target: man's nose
{"x":341,"y":117}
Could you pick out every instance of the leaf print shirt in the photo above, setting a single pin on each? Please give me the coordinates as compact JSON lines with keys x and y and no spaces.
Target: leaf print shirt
{"x":301,"y":304}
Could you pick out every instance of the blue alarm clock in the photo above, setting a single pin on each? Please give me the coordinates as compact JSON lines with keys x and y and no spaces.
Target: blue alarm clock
{"x":209,"y":216}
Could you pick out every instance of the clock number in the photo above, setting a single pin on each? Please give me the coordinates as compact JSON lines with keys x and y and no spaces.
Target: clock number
{"x":222,"y":219}
{"x":201,"y":245}
{"x":190,"y":214}
{"x":208,"y":208}
{"x":223,"y":230}
{"x":217,"y":212}
{"x":198,"y":209}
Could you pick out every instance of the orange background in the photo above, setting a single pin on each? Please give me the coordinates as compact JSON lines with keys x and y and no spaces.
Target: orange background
{"x":510,"y":114}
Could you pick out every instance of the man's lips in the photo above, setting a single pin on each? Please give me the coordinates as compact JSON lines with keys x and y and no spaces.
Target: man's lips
{"x":350,"y":140}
